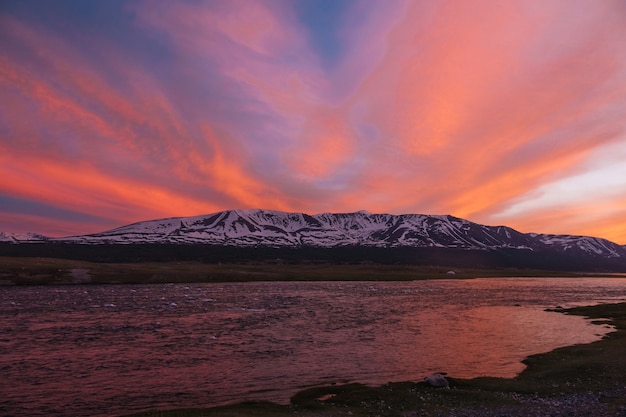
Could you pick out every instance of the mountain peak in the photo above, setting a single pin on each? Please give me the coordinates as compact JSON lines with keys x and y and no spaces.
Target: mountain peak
{"x":269,"y":228}
{"x":21,"y":237}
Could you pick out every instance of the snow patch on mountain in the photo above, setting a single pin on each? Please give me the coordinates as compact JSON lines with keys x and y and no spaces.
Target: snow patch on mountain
{"x":21,"y":237}
{"x":249,"y":228}
{"x":585,"y":244}
{"x":282,"y":229}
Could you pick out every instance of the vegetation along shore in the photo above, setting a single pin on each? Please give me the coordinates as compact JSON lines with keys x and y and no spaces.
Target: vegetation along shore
{"x":45,"y":271}
{"x":581,"y":380}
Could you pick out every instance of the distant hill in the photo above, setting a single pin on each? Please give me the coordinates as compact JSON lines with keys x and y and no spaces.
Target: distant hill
{"x":21,"y":237}
{"x":340,"y":237}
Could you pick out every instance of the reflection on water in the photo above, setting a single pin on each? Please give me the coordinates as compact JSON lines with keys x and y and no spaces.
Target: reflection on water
{"x":109,"y":350}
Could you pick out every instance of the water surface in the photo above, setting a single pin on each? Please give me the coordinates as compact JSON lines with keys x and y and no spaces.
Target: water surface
{"x":109,"y":350}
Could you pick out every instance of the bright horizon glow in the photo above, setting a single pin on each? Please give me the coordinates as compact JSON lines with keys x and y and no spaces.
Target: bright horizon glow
{"x":502,"y":113}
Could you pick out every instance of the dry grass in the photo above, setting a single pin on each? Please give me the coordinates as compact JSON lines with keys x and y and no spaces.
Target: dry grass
{"x":40,"y":271}
{"x":577,"y":380}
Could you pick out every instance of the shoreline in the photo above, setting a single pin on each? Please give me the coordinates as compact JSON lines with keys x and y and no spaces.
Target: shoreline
{"x":54,"y":271}
{"x":579,"y":380}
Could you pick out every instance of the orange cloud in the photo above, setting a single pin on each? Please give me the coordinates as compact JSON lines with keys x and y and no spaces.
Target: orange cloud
{"x":325,"y":145}
{"x":467,"y":108}
{"x":227,"y":175}
{"x":82,"y":187}
{"x":69,"y":181}
{"x":55,"y":227}
{"x":485,"y":112}
{"x":587,"y":218}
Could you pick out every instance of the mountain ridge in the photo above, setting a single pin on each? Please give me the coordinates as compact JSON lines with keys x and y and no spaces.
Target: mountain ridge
{"x":21,"y":237}
{"x":269,"y":228}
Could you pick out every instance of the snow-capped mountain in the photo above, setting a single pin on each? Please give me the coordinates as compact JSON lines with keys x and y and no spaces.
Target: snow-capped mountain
{"x":581,"y":244}
{"x":21,"y":237}
{"x":248,"y":228}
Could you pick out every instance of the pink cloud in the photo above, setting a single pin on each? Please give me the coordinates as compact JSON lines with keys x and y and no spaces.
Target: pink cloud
{"x":123,"y":141}
{"x":435,"y":107}
{"x":486,"y":112}
{"x":281,"y":81}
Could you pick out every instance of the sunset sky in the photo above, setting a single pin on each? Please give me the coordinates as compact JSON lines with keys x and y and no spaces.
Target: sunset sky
{"x":502,"y":112}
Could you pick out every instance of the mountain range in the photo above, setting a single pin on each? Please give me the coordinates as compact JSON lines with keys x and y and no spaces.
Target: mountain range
{"x":22,"y":237}
{"x":274,"y":229}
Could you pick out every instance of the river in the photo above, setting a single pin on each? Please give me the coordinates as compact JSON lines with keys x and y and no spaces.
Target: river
{"x":107,"y":350}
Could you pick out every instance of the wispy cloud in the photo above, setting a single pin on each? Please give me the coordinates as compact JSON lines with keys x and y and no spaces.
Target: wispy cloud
{"x":478,"y":109}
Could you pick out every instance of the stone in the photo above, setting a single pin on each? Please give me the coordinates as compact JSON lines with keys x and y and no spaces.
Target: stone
{"x":437,"y":381}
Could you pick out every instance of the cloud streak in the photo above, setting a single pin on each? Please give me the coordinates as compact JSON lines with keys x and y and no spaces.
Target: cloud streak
{"x":476,"y":109}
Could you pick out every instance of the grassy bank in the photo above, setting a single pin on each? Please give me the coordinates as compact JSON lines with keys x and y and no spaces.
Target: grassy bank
{"x":41,"y":271}
{"x":580,"y":380}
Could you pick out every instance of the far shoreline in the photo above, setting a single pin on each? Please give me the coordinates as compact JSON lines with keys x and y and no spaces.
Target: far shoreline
{"x":55,"y":271}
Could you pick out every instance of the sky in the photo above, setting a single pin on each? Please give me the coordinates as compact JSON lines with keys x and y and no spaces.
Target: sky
{"x":502,"y":112}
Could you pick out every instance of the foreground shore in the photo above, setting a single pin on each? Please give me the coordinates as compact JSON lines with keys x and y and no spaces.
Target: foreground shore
{"x":581,"y":380}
